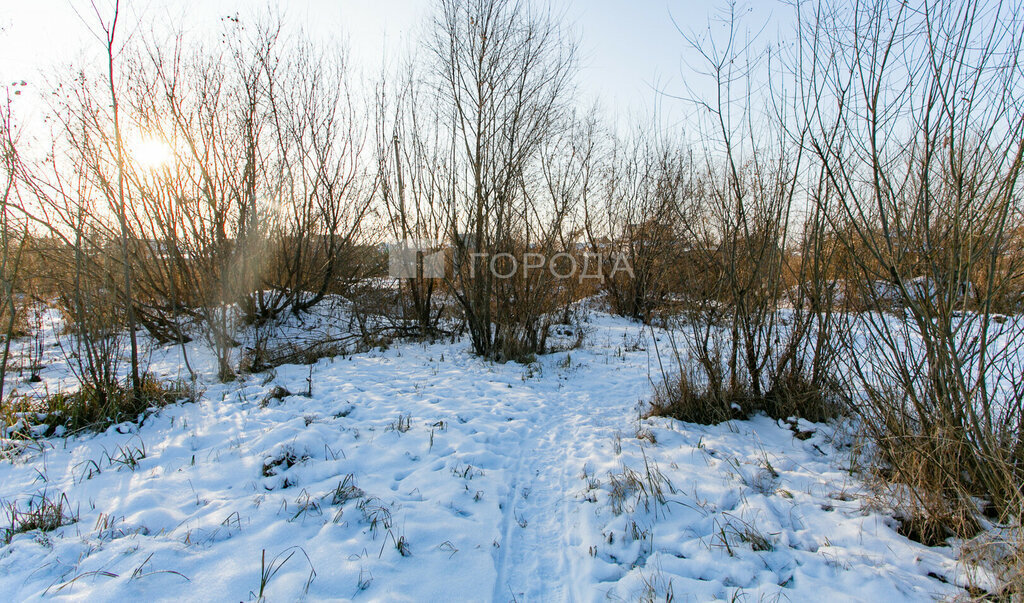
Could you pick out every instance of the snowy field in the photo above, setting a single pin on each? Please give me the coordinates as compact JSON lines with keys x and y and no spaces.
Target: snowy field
{"x":421,"y":472}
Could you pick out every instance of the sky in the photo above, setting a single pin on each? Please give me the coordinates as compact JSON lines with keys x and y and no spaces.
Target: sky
{"x":630,"y":50}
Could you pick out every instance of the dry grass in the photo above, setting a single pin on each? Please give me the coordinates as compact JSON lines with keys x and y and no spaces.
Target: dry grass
{"x":270,"y":568}
{"x":915,"y":485}
{"x":41,"y":513}
{"x":995,"y":565}
{"x":402,"y":424}
{"x":346,"y":490}
{"x":90,"y":408}
{"x":688,"y":399}
{"x":628,"y":489}
{"x":22,"y":325}
{"x":734,"y":531}
{"x":945,"y":476}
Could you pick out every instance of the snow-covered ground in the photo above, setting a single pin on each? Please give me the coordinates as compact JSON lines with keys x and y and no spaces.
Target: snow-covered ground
{"x":421,"y":472}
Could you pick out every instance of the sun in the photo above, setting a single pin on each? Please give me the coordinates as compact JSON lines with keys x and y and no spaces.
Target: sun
{"x":152,"y":153}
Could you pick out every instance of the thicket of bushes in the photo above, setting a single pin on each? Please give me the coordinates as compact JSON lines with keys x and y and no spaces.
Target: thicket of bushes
{"x":904,"y":134}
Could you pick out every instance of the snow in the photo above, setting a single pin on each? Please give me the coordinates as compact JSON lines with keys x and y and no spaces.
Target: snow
{"x":421,"y":472}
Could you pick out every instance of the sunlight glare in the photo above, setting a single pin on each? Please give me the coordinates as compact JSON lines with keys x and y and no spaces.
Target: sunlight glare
{"x":152,"y":153}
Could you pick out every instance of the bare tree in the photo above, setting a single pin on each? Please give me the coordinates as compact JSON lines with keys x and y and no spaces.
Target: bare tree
{"x":259,"y":206}
{"x":407,"y":158}
{"x":12,"y":242}
{"x":503,"y":76}
{"x":737,"y":222}
{"x":115,"y":190}
{"x":60,"y":197}
{"x":916,"y":120}
{"x":634,"y":223}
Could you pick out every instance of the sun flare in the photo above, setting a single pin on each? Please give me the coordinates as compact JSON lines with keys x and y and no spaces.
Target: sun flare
{"x":152,"y":153}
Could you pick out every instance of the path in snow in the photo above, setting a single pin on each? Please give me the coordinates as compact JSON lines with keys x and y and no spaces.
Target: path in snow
{"x":532,"y":560}
{"x":483,"y":484}
{"x":539,"y":551}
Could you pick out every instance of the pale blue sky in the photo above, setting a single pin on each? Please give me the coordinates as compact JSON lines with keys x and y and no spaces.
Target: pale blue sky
{"x":627,"y":47}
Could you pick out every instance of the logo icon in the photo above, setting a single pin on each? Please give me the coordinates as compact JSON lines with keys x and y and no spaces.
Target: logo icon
{"x":415,"y":259}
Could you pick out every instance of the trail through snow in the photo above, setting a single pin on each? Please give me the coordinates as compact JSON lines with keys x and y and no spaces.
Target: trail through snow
{"x":541,"y":525}
{"x":538,"y":527}
{"x":504,"y":482}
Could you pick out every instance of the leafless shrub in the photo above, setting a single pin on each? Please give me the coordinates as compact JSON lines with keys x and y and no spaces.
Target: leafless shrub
{"x":688,"y":394}
{"x":12,"y":246}
{"x":502,"y":79}
{"x":756,"y":333}
{"x":267,"y":142}
{"x":266,"y":355}
{"x":685,"y":398}
{"x":633,"y":225}
{"x":919,"y":161}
